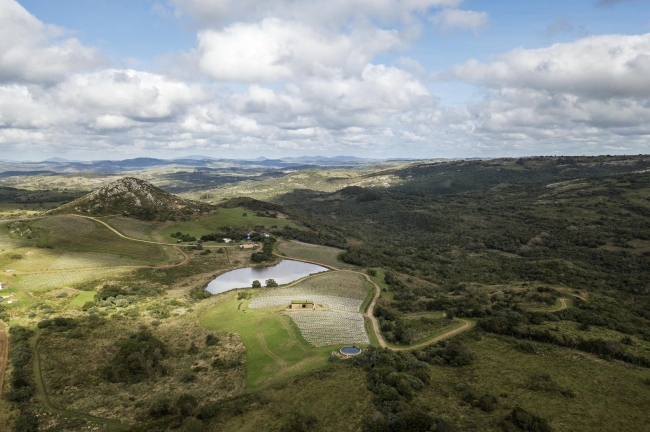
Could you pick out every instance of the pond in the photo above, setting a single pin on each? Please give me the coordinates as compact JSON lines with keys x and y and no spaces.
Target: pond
{"x":284,"y":272}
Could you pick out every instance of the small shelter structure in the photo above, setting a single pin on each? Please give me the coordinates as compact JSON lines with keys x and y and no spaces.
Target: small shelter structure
{"x":302,"y":305}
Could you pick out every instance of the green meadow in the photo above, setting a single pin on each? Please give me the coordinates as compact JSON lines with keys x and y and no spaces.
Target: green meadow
{"x":82,"y":298}
{"x":226,"y":217}
{"x":275,"y":350}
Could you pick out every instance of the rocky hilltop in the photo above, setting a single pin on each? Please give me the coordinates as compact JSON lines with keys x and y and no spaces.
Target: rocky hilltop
{"x":137,"y":198}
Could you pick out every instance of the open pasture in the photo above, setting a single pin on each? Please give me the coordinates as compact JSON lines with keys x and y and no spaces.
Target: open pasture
{"x":308,"y":252}
{"x":42,"y":281}
{"x":275,"y":350}
{"x":338,"y":290}
{"x":130,"y":227}
{"x":323,"y":328}
{"x":75,"y":260}
{"x":75,"y":234}
{"x":224,"y":218}
{"x":83,"y":297}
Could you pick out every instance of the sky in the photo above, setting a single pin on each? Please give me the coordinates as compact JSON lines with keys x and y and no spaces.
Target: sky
{"x":116,"y":79}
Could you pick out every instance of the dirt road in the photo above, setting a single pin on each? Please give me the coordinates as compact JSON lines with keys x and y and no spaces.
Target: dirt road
{"x":375,"y":324}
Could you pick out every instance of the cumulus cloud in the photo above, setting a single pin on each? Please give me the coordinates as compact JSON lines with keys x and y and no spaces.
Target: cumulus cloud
{"x":596,"y":66}
{"x":274,"y":50}
{"x":596,"y":88}
{"x":31,"y":51}
{"x":465,"y":20}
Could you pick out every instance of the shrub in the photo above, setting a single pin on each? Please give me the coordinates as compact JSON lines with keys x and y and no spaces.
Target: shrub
{"x":139,"y":358}
{"x":299,"y":421}
{"x":26,"y":423}
{"x":211,"y":340}
{"x":270,"y":283}
{"x":186,"y":404}
{"x":257,"y":284}
{"x":161,"y":407}
{"x":521,"y":420}
{"x":109,"y":291}
{"x":88,"y":305}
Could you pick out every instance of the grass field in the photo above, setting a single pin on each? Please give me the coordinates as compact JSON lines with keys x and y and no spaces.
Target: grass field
{"x":224,"y":218}
{"x":75,"y":260}
{"x":81,"y":235}
{"x":43,"y":281}
{"x":82,"y":298}
{"x":133,"y":228}
{"x":275,"y":350}
{"x":320,"y":254}
{"x":12,"y":294}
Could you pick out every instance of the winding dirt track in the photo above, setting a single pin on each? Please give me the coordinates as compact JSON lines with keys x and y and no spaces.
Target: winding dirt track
{"x":375,"y":324}
{"x":562,"y":306}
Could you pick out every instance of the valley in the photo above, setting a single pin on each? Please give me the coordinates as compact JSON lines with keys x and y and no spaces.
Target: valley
{"x":474,"y":288}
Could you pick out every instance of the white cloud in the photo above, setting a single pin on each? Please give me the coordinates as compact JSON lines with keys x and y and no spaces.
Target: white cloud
{"x":465,"y":20}
{"x":274,"y":50}
{"x":593,"y":67}
{"x":130,"y":93}
{"x":31,"y":51}
{"x":596,"y":88}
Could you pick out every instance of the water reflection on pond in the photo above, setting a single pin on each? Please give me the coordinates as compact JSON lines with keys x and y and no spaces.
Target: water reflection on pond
{"x":284,"y":272}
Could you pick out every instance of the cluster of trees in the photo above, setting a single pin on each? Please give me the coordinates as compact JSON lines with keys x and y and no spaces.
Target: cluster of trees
{"x":394,"y":378}
{"x":523,"y":325}
{"x":139,"y":357}
{"x":21,"y":383}
{"x":183,"y":237}
{"x":267,"y":252}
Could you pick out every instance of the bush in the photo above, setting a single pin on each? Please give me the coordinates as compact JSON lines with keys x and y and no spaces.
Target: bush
{"x":270,"y":283}
{"x":26,"y":423}
{"x":521,"y":420}
{"x":109,"y":291}
{"x":161,"y":407}
{"x":88,"y":305}
{"x":299,"y":421}
{"x":372,"y":272}
{"x":257,"y":284}
{"x":139,"y":357}
{"x":211,"y":340}
{"x":186,"y":404}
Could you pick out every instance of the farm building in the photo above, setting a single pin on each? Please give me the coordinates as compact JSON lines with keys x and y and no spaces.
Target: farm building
{"x":248,"y":246}
{"x":302,"y":305}
{"x":227,"y":240}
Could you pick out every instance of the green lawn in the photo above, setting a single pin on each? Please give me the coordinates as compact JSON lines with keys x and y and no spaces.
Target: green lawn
{"x":82,"y":298}
{"x":224,"y":218}
{"x":275,"y":350}
{"x":12,"y":294}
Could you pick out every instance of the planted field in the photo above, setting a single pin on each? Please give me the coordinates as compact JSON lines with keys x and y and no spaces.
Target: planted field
{"x":73,"y":260}
{"x":133,"y":228}
{"x":320,"y":254}
{"x":82,"y":235}
{"x":224,"y":218}
{"x":323,"y":328}
{"x":338,"y":290}
{"x":54,"y":280}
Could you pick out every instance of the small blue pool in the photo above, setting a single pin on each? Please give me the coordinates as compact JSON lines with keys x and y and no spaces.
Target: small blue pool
{"x":350,"y":350}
